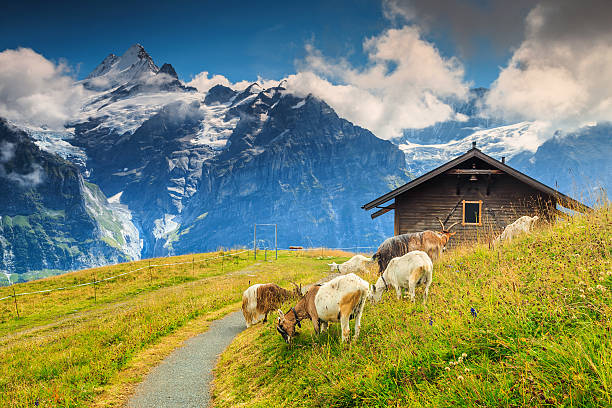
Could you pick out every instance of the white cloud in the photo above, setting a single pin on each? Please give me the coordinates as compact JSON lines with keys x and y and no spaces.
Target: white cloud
{"x":562,"y":71}
{"x":36,"y":91}
{"x":406,"y":84}
{"x":31,"y":179}
{"x":7,"y":151}
{"x":203,"y":83}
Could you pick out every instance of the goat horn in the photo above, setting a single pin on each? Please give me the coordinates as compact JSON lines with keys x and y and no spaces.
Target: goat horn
{"x":449,"y":228}
{"x":441,"y":223}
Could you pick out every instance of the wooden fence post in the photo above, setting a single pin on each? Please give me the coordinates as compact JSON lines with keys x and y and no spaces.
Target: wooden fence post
{"x":95,"y":290}
{"x":150,"y":273}
{"x":15,"y":298}
{"x":193,"y":266}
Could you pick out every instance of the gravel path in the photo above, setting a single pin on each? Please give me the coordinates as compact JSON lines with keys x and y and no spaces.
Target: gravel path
{"x":183,"y":378}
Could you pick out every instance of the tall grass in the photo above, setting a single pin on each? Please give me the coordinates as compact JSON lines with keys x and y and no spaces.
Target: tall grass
{"x":66,"y":349}
{"x":527,"y":324}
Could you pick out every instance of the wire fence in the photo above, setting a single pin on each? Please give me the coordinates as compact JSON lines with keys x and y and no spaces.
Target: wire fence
{"x":322,"y":248}
{"x":148,"y":267}
{"x":93,"y":282}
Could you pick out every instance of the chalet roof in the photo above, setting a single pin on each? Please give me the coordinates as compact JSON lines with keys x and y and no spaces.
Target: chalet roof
{"x":475,"y":153}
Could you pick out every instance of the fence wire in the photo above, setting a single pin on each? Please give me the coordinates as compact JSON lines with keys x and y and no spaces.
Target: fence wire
{"x":122,"y":274}
{"x":167,"y":264}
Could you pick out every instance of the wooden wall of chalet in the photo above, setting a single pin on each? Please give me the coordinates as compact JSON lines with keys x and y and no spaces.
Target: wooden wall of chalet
{"x":508,"y":199}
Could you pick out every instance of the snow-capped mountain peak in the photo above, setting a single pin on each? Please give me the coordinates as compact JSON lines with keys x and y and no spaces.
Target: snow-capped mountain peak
{"x":168,"y":70}
{"x":135,"y":65}
{"x":104,"y":66}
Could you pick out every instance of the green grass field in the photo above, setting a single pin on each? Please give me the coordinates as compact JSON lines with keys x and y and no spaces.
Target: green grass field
{"x":74,"y":348}
{"x":527,"y":325}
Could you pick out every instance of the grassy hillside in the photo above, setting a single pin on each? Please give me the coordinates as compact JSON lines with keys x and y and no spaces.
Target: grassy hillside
{"x":528,"y":325}
{"x":77,"y":348}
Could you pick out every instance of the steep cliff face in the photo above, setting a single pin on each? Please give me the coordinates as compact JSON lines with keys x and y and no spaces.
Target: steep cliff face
{"x":47,"y":213}
{"x":293,"y":162}
{"x":259,"y":154}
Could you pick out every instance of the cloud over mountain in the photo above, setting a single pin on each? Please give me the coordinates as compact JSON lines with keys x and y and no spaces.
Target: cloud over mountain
{"x":562,"y":71}
{"x":36,"y":91}
{"x":406,"y":84}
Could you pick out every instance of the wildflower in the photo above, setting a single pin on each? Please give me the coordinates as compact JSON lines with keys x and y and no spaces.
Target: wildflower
{"x":582,"y":295}
{"x":460,"y":377}
{"x":591,"y":289}
{"x":473,"y":311}
{"x":464,"y":355}
{"x":467,"y":370}
{"x":600,"y":287}
{"x":430,"y":321}
{"x":582,"y":283}
{"x":460,"y":359}
{"x":447,"y":368}
{"x":601,"y":278}
{"x":609,"y":273}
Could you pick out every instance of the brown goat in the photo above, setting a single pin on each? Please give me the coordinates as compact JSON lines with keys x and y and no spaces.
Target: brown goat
{"x":430,"y":242}
{"x":260,"y":299}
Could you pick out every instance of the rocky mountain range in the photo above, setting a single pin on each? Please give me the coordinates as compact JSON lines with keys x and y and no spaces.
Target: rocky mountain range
{"x":151,"y":167}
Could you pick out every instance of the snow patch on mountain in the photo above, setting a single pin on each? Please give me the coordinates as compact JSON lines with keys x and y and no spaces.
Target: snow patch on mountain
{"x":127,"y":115}
{"x":116,"y":199}
{"x":57,"y":142}
{"x":165,"y":225}
{"x":215,"y":128}
{"x":506,"y":141}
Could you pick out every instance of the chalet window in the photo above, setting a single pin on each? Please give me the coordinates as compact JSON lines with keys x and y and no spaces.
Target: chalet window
{"x":472,"y":211}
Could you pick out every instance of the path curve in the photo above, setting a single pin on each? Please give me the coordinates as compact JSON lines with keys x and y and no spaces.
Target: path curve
{"x":183,"y":378}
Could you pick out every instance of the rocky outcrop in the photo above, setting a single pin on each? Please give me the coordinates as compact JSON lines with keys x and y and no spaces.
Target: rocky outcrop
{"x":47,"y":219}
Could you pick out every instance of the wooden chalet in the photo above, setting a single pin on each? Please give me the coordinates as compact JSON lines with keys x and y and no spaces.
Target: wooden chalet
{"x":481,"y":194}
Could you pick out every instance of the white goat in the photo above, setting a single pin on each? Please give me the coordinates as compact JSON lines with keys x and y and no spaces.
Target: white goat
{"x":408,"y":271}
{"x":340,"y":299}
{"x":523,"y":225}
{"x":357,"y":264}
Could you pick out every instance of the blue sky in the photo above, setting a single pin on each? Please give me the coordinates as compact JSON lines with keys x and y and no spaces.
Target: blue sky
{"x":387,"y":65}
{"x":240,"y":40}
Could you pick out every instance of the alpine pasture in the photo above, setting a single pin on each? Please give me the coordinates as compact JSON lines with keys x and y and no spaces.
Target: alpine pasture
{"x":88,"y":346}
{"x":525,"y":324}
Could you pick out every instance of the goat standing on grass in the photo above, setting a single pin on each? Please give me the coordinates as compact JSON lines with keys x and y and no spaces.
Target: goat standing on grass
{"x":431,"y":242}
{"x":521,"y":226}
{"x":340,"y":299}
{"x":357,"y":264}
{"x":260,"y":299}
{"x":408,"y":271}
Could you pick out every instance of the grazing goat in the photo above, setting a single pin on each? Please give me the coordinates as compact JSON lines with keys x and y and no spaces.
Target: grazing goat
{"x":357,"y":264}
{"x":260,"y":299}
{"x":431,"y":242}
{"x":408,"y":271}
{"x":523,"y":225}
{"x":340,"y":299}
